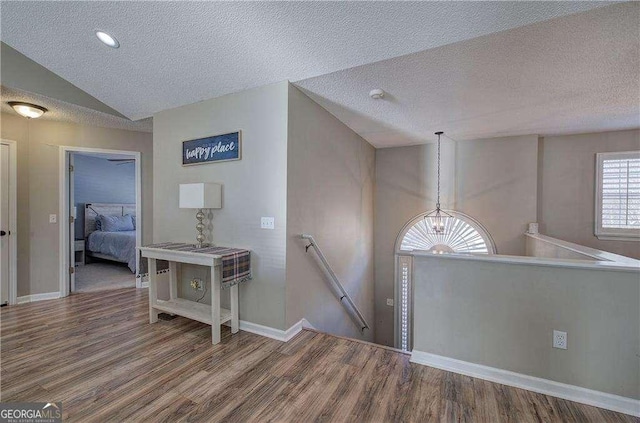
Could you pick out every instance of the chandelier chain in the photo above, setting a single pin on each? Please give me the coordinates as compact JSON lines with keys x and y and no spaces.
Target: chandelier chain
{"x":438,"y":202}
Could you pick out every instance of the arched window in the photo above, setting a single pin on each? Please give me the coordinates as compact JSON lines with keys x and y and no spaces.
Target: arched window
{"x":462,"y":234}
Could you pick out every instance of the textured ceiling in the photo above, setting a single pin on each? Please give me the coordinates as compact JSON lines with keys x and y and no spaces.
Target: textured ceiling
{"x":574,"y":74}
{"x":176,"y":53}
{"x":67,"y":112}
{"x":22,"y":73}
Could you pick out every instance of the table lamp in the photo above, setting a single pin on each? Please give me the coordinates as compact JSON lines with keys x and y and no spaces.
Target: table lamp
{"x":200,"y":196}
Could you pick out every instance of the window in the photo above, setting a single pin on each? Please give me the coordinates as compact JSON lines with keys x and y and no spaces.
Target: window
{"x":462,"y":234}
{"x":405,"y":295}
{"x":618,"y":195}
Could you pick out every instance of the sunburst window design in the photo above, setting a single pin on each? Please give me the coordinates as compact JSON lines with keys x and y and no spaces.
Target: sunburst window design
{"x":458,"y":236}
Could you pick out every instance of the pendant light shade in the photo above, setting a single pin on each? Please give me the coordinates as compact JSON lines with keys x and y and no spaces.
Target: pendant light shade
{"x":438,"y":220}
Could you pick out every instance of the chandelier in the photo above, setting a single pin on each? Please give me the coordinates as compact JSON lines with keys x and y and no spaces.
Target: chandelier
{"x":437,"y":219}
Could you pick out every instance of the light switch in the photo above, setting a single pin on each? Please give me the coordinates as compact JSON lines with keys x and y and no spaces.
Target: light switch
{"x":53,"y":218}
{"x":267,"y":223}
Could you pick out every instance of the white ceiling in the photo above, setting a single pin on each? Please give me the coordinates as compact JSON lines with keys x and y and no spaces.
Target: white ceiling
{"x":176,"y":53}
{"x":67,"y":112}
{"x":574,"y":74}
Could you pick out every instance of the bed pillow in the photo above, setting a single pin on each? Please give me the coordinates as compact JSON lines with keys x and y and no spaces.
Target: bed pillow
{"x":98,"y":224}
{"x":133,"y":219}
{"x":116,"y":223}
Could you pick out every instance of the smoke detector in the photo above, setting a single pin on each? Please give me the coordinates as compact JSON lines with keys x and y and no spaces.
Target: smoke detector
{"x":376,"y":94}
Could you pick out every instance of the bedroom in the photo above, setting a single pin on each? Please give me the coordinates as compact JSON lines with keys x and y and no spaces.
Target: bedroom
{"x":102,"y":197}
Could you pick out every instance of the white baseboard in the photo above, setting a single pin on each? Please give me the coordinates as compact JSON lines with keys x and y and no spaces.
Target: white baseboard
{"x":37,"y":297}
{"x":293,"y":331}
{"x":266,"y":331}
{"x":306,"y":324}
{"x":543,"y":386}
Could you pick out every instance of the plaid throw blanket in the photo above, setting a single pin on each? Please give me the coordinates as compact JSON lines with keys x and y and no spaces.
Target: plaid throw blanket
{"x":236,"y":262}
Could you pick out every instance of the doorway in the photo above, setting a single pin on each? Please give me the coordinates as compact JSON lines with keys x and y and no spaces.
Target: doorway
{"x":8,"y":223}
{"x":101,"y":201}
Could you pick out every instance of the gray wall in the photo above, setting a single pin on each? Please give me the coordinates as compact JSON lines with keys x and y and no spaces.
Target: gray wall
{"x":300,"y":165}
{"x":566,"y":204}
{"x":97,"y":180}
{"x":541,"y":248}
{"x":329,"y":195}
{"x":252,"y":187}
{"x":494,"y":181}
{"x":503,"y":315}
{"x":38,"y":194}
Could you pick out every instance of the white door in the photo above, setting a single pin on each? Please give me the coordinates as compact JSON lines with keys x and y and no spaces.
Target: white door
{"x":72,"y":224}
{"x":4,"y":224}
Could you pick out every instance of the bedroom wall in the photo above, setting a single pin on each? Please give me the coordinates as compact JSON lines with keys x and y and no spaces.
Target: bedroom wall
{"x":566,"y":204}
{"x":253,"y":187}
{"x":492,"y":180}
{"x":97,"y":180}
{"x":38,"y":141}
{"x":329,"y":195}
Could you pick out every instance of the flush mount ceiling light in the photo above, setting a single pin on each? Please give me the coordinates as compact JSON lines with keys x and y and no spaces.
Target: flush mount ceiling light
{"x":28,"y":110}
{"x":107,"y":39}
{"x":438,"y":221}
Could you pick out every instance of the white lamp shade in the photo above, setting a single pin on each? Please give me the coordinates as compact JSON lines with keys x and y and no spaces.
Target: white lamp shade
{"x":200,"y":196}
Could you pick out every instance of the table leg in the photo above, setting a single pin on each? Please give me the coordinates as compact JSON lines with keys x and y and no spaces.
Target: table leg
{"x":215,"y":304}
{"x":153,"y":293}
{"x":235,"y":320}
{"x":173,"y":280}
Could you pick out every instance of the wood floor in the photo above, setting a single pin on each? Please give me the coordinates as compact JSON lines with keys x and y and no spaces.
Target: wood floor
{"x":97,"y":354}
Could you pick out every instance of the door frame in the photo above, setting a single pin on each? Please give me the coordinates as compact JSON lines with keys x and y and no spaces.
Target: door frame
{"x":64,"y":210}
{"x":13,"y":216}
{"x":69,"y":163}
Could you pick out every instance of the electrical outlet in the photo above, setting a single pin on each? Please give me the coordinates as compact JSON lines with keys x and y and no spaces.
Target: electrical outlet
{"x":560,"y":339}
{"x":267,"y":223}
{"x":390,"y":302}
{"x":197,"y":284}
{"x":53,"y":218}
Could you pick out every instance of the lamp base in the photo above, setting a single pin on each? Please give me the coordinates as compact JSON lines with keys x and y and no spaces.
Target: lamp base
{"x":199,"y":227}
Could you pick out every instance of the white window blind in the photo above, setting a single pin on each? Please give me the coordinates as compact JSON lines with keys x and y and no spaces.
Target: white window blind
{"x":621,"y":193}
{"x":618,"y":194}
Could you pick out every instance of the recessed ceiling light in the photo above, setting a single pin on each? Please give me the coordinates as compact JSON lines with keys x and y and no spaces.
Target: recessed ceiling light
{"x":107,"y":39}
{"x":28,"y":110}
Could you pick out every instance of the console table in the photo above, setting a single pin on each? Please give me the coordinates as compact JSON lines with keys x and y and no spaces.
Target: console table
{"x":236,"y":269}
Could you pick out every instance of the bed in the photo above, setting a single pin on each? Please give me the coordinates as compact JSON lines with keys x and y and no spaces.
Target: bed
{"x":115,"y":246}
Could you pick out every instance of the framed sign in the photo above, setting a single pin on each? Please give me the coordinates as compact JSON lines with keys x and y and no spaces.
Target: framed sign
{"x":218,"y":148}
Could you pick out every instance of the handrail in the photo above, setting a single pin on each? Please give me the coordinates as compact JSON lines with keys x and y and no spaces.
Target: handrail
{"x":323,"y":259}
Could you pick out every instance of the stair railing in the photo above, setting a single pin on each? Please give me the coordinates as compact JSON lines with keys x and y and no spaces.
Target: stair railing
{"x":343,"y":294}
